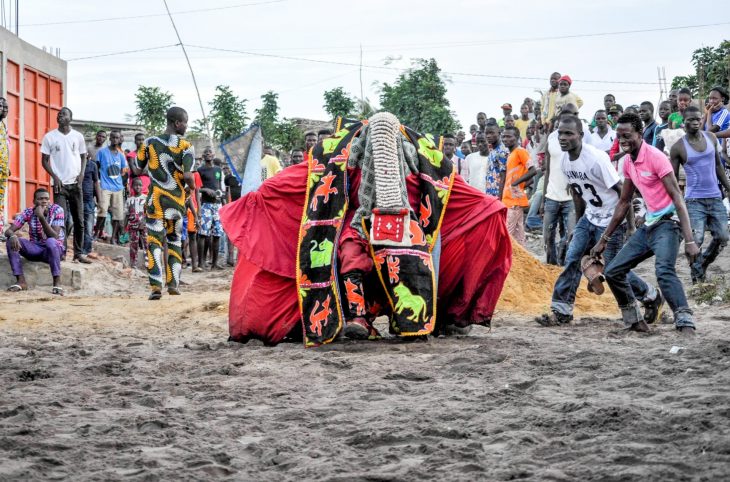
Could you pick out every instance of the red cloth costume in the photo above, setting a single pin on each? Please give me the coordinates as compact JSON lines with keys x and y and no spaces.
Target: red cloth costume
{"x":476,"y":253}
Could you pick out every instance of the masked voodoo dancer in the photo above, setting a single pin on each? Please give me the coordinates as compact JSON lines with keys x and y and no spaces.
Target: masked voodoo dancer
{"x":375,"y":223}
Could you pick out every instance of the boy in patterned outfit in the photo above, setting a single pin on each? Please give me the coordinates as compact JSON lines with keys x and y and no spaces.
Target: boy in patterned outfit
{"x":169,"y":159}
{"x":135,"y":222}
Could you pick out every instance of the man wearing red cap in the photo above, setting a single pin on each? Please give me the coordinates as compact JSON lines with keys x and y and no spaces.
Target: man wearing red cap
{"x":506,"y":110}
{"x":565,"y":96}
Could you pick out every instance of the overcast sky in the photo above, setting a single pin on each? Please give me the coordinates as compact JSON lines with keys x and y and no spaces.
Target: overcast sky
{"x":481,"y":37}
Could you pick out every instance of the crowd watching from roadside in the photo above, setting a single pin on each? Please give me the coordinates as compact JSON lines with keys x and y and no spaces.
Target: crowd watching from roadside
{"x":657,"y":171}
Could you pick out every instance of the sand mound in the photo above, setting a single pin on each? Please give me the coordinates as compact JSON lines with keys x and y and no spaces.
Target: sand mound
{"x":529,"y":286}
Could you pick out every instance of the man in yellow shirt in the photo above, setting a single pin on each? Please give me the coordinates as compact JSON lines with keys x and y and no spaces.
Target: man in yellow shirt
{"x":523,"y":122}
{"x":548,"y":98}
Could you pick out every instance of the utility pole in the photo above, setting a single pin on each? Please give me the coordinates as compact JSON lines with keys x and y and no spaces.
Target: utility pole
{"x":362,"y":96}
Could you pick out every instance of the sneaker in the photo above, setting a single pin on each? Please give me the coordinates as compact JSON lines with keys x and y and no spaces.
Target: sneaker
{"x":653,"y":309}
{"x":554,"y":319}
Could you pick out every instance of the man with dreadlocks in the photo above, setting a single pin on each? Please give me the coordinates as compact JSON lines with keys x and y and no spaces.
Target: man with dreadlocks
{"x":376,"y":222}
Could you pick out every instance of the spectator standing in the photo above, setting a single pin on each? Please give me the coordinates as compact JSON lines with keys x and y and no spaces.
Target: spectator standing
{"x":665,"y":109}
{"x":233,"y":193}
{"x":565,"y":96}
{"x":310,"y":140}
{"x":700,"y":157}
{"x":603,"y":136}
{"x":63,"y":155}
{"x":45,"y":240}
{"x":559,"y":210}
{"x":139,"y":143}
{"x":497,"y":164}
{"x":474,"y":169}
{"x":646,"y":114}
{"x":91,"y":191}
{"x":465,"y":149}
{"x":112,"y":165}
{"x":99,"y":142}
{"x":684,"y":99}
{"x":449,"y":150}
{"x":519,"y":170}
{"x":717,"y":117}
{"x":296,"y":156}
{"x":135,"y":223}
{"x":460,"y":136}
{"x":549,"y":98}
{"x":506,"y":112}
{"x":211,"y":198}
{"x":523,"y":122}
{"x":648,"y":170}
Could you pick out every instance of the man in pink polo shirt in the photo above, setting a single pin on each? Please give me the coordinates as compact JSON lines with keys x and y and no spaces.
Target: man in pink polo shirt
{"x":667,"y":222}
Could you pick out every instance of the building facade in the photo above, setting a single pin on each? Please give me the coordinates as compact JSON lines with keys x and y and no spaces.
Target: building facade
{"x":34,"y":84}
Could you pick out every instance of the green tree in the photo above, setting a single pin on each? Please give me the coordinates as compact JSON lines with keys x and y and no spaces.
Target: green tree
{"x":712,"y":67}
{"x":337,"y":103}
{"x":152,"y":104}
{"x":282,"y":135}
{"x":288,"y":136}
{"x":267,"y":115}
{"x":418,"y":99}
{"x":228,"y":113}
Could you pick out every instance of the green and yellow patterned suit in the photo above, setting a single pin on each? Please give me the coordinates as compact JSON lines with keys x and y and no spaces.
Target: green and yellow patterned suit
{"x":167,"y":158}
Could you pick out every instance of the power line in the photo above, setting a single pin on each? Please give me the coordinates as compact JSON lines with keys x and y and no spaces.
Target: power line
{"x":192,"y":73}
{"x":401,"y":69}
{"x":151,"y":15}
{"x":121,"y":52}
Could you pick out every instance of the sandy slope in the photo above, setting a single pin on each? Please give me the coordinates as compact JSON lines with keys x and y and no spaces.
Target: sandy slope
{"x":115,"y":387}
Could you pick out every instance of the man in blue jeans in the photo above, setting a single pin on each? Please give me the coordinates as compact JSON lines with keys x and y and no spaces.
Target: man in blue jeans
{"x":595,"y":186}
{"x":648,"y":170}
{"x":558,"y":207}
{"x":699,"y":155}
{"x":90,"y":188}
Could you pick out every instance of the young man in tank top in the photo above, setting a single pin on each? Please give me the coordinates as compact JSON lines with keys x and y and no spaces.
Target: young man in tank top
{"x":700,"y":157}
{"x":595,"y":187}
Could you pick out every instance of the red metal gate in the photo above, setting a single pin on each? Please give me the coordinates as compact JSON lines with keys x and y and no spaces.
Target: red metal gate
{"x":13,"y":122}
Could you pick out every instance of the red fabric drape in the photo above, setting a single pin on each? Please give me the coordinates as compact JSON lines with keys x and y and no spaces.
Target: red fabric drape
{"x":264,"y":225}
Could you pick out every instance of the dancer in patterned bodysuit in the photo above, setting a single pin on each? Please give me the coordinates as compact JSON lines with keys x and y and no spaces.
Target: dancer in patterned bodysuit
{"x":169,"y":159}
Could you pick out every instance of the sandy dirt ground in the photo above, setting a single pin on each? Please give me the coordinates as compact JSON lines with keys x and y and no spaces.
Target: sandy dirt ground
{"x":113,"y":387}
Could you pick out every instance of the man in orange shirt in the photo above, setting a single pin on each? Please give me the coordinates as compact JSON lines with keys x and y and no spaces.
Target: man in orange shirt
{"x":519,"y":171}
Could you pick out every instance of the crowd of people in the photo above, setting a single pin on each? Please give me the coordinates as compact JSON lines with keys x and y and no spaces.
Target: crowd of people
{"x":616,"y":187}
{"x":100,"y":194}
{"x":619,"y":183}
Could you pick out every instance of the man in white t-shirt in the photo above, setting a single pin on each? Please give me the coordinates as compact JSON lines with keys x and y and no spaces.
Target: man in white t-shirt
{"x":558,"y":209}
{"x":474,"y":170}
{"x":63,"y":155}
{"x":595,"y":187}
{"x":603,"y":136}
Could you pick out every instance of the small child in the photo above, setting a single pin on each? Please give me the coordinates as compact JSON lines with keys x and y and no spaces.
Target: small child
{"x":135,"y":222}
